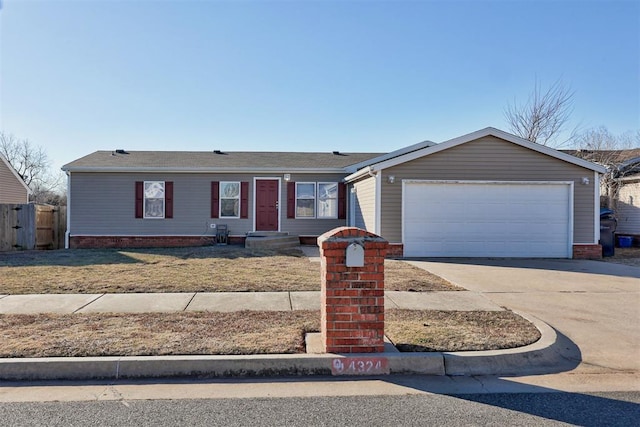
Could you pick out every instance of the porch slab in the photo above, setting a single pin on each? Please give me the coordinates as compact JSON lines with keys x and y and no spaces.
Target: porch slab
{"x":50,"y":303}
{"x":237,"y":301}
{"x":139,"y":303}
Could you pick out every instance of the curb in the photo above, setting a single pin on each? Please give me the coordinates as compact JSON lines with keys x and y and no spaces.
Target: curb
{"x":541,"y":356}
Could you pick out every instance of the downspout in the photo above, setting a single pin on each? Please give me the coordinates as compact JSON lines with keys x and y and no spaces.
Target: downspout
{"x":66,"y":234}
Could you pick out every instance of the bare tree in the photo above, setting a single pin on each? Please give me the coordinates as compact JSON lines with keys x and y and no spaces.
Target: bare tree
{"x":620,"y":154}
{"x":543,"y":118}
{"x":34,"y":167}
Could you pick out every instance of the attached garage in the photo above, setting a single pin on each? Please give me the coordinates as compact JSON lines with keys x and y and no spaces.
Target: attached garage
{"x":487,"y":219}
{"x":484,"y":194}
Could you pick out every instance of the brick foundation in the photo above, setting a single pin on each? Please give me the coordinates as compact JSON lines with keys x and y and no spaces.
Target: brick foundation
{"x":587,"y":251}
{"x":92,"y":242}
{"x":395,"y":250}
{"x":352,"y":298}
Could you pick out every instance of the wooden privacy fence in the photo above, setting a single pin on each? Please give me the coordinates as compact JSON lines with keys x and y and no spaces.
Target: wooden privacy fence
{"x":31,"y":226}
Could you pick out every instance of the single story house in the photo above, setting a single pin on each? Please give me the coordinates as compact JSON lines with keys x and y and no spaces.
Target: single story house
{"x":485,"y":194}
{"x":13,"y":189}
{"x":627,"y":196}
{"x":619,"y":186}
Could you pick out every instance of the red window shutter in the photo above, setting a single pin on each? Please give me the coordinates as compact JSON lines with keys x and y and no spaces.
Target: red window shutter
{"x":342,"y":200}
{"x":291,"y":199}
{"x":244,"y":200}
{"x":168,"y":199}
{"x":139,"y":199}
{"x":215,"y":199}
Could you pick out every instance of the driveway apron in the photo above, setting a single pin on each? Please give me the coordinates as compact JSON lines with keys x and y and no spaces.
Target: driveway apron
{"x":593,"y":303}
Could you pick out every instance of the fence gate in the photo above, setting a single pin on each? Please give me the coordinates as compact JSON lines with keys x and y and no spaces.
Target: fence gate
{"x":29,"y":226}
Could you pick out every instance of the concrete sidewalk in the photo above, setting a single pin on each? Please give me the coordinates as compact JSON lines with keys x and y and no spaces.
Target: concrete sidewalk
{"x":552,"y":353}
{"x":227,"y":302}
{"x":540,"y":357}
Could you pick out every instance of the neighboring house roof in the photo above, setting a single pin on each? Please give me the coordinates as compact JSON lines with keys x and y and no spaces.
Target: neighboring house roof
{"x":626,"y":162}
{"x":215,"y":161}
{"x":489,"y":131}
{"x":606,"y":155}
{"x":15,"y":173}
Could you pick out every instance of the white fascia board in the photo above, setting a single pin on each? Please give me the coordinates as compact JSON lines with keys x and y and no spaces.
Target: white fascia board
{"x":364,"y":171}
{"x":201,"y":170}
{"x":18,"y":177}
{"x":596,"y":208}
{"x":481,"y":134}
{"x":630,"y":178}
{"x":420,"y":145}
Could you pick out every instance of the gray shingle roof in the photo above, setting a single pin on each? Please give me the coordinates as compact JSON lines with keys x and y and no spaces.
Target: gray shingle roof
{"x":212,"y":161}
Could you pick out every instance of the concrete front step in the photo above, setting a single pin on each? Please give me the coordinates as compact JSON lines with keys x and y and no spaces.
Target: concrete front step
{"x":271,"y":242}
{"x":267,"y":234}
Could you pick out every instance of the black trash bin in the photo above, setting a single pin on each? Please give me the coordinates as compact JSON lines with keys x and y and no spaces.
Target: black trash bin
{"x":608,"y":224}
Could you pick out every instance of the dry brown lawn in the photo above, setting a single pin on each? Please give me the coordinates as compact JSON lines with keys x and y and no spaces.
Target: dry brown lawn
{"x":627,"y":256}
{"x":433,"y":330}
{"x":198,"y":269}
{"x":247,"y":332}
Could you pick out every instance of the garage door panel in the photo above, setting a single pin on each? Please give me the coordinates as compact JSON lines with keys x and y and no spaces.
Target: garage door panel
{"x":486,"y":219}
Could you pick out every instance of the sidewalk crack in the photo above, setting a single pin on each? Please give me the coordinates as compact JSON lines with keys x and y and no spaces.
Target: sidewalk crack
{"x":190,"y":301}
{"x":90,"y":302}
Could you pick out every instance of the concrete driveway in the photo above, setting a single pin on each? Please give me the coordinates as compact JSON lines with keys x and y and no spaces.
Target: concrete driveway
{"x":593,"y":303}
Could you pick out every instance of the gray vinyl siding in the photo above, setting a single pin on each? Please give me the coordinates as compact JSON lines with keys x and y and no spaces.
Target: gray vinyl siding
{"x":488,"y":159}
{"x":365,"y":213}
{"x":11,"y":190}
{"x":304,"y":226}
{"x":628,"y":209}
{"x":103,"y":204}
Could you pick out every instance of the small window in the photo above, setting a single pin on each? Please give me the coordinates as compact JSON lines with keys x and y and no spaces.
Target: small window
{"x":305,"y":199}
{"x":154,"y":198}
{"x":327,"y":200}
{"x":229,"y":199}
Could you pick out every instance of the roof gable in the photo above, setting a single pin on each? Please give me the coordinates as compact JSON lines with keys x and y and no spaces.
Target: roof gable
{"x":489,"y":131}
{"x":15,"y":173}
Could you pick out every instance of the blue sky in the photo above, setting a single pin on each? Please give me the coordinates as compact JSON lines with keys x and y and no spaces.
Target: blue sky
{"x":79,"y":76}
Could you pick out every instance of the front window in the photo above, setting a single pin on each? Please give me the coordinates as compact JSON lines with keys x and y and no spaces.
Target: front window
{"x":154,"y":199}
{"x":229,"y":200}
{"x":327,"y":200}
{"x":305,"y":200}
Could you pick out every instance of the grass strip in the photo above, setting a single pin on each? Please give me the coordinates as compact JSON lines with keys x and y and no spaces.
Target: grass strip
{"x":244,"y":332}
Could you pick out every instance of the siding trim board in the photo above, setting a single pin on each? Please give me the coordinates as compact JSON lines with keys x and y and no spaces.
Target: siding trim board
{"x":378,"y":203}
{"x":596,"y":208}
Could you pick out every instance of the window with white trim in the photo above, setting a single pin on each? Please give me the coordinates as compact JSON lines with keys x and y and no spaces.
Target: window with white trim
{"x":316,"y":200}
{"x":305,"y":199}
{"x":154,"y":199}
{"x":327,"y":200}
{"x":229,"y":199}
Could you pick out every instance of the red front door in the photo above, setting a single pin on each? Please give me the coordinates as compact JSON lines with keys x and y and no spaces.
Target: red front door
{"x":266,"y":205}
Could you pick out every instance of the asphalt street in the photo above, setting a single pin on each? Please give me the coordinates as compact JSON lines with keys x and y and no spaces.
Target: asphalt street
{"x":528,"y":409}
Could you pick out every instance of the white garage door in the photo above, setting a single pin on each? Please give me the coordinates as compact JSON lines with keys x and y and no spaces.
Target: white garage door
{"x":480,"y":219}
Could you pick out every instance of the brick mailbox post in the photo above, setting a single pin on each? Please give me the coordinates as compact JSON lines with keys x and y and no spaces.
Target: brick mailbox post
{"x":352,"y":294}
